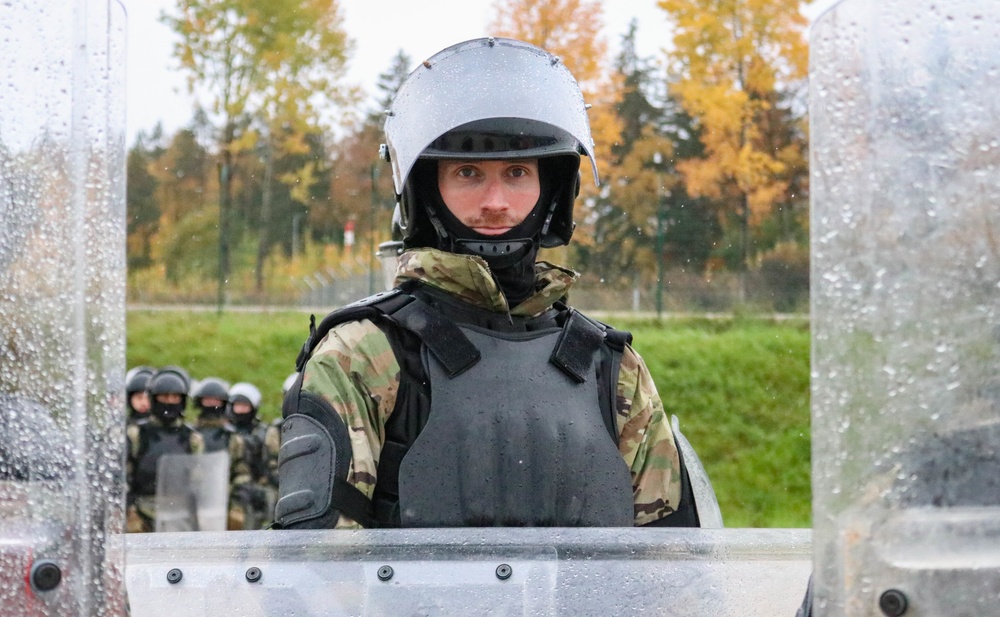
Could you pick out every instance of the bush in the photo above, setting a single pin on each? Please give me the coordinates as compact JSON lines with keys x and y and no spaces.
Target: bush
{"x":783,"y":274}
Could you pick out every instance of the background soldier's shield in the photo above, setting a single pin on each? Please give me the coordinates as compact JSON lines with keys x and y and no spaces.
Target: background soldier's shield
{"x":62,"y":309}
{"x":905,"y":126}
{"x":192,"y":492}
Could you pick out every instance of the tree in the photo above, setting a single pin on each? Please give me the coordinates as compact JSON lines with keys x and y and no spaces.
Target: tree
{"x":734,"y":61}
{"x":271,"y":59}
{"x":625,"y":213}
{"x":183,"y":174}
{"x":142,"y":207}
{"x":363,"y":183}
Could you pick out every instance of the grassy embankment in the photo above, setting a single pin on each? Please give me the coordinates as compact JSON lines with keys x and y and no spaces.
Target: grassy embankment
{"x":739,"y":386}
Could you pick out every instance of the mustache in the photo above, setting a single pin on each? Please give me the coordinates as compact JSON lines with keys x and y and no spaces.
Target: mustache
{"x":493,"y":219}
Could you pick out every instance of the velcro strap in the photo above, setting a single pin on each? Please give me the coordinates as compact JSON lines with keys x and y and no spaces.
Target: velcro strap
{"x":441,"y":336}
{"x":617,"y":339}
{"x":579,"y":341}
{"x":352,"y":503}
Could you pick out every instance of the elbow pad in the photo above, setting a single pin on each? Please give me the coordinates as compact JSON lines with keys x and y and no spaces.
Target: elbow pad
{"x":313,"y":460}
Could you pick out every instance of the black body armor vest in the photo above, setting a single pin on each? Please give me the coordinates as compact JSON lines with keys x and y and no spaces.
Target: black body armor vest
{"x":518,"y":411}
{"x":155,"y":440}
{"x":216,"y":437}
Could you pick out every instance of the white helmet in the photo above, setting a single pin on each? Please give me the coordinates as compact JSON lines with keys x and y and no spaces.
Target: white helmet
{"x":246,"y":392}
{"x":289,"y":381}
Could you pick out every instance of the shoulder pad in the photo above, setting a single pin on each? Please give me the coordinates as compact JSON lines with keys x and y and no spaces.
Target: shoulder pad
{"x":381,"y":296}
{"x":382,"y":303}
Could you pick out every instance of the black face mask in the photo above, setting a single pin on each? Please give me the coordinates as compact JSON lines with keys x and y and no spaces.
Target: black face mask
{"x":243,"y":419}
{"x":167,"y":412}
{"x":211,"y":413}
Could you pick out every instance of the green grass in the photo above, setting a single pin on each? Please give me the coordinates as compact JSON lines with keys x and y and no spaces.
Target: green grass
{"x":255,"y":347}
{"x":740,"y":388}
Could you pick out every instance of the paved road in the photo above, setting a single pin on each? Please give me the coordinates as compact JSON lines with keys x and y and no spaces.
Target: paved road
{"x":323,"y":310}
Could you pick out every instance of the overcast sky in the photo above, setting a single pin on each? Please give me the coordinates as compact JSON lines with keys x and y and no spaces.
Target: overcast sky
{"x":156,"y":88}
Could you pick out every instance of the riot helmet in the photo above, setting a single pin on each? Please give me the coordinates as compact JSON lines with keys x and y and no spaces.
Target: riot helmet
{"x":211,"y":395}
{"x":244,"y":401}
{"x":487,"y":99}
{"x":288,"y":383}
{"x":135,"y":387}
{"x":168,"y":380}
{"x":32,"y":447}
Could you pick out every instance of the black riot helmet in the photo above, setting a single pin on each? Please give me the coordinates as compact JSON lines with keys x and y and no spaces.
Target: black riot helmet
{"x":137,"y":377}
{"x":32,"y":447}
{"x":488,"y":99}
{"x":168,"y":380}
{"x":211,"y":387}
{"x":135,"y":382}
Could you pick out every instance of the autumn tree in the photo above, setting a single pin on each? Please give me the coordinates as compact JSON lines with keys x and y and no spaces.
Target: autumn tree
{"x":271,"y":59}
{"x":142,"y":207}
{"x":185,"y":192}
{"x":636,"y":177}
{"x":362,"y":182}
{"x":734,"y":63}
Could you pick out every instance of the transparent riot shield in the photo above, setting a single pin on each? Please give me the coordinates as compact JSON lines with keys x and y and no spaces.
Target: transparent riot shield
{"x":522,"y":572}
{"x":62,"y":318}
{"x":192,"y":492}
{"x":905,"y":128}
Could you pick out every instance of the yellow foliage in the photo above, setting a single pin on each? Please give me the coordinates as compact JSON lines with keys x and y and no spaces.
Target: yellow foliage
{"x":729,"y":57}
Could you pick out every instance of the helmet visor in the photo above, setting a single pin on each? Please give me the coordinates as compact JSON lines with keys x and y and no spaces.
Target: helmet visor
{"x":487,"y":98}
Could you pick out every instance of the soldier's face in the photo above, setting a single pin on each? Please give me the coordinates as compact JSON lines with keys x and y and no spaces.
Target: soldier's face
{"x":169,"y":398}
{"x":489,"y":197}
{"x":242,"y":407}
{"x":211,"y":401}
{"x":140,"y":402}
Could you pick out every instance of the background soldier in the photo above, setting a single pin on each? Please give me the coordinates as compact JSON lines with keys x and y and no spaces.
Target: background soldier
{"x":210,"y":399}
{"x":164,"y":433}
{"x":252,"y":497}
{"x":136,"y":397}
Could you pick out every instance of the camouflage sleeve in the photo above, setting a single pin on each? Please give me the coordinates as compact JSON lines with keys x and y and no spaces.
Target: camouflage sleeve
{"x":132,"y":445}
{"x":197,"y":442}
{"x":356,"y":372}
{"x":272,"y":447}
{"x":646,"y":442}
{"x":239,"y":463}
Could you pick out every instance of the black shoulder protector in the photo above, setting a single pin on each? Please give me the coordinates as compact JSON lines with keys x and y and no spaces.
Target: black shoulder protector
{"x":441,"y":336}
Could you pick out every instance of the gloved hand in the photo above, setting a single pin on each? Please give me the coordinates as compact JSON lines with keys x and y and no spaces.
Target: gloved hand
{"x":251,"y":496}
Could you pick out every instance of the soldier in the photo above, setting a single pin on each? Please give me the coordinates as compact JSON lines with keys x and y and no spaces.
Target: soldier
{"x":242,"y":410}
{"x":135,"y":393}
{"x":471,"y":394}
{"x":164,"y":433}
{"x":211,"y":396}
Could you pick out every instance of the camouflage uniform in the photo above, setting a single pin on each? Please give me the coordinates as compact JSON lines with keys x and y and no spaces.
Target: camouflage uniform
{"x":262,"y":442}
{"x":142,"y":495}
{"x":268,"y":478}
{"x":216,"y":434}
{"x":356,"y":372}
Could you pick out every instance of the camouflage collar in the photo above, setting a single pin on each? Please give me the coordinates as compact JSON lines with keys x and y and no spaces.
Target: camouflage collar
{"x":469,"y":278}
